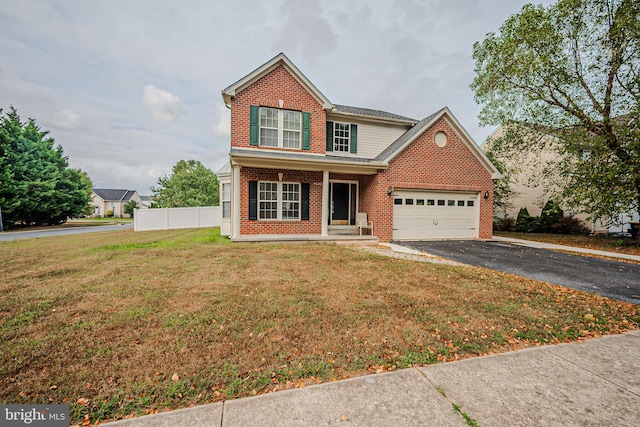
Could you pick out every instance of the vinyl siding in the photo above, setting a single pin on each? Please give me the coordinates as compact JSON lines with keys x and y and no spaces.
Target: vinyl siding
{"x":372,"y":138}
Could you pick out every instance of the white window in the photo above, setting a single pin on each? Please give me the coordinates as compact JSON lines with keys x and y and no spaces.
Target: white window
{"x":290,"y":201}
{"x":268,"y":200}
{"x":226,"y":200}
{"x":341,"y":137}
{"x":280,"y":128}
{"x":279,"y":200}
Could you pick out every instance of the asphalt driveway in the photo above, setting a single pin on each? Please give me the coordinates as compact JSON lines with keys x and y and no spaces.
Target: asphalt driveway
{"x":608,"y":278}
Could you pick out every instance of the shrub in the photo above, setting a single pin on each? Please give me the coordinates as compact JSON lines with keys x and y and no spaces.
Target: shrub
{"x":109,"y":214}
{"x":569,"y":225}
{"x":551,"y":214}
{"x":526,"y":223}
{"x":504,"y":224}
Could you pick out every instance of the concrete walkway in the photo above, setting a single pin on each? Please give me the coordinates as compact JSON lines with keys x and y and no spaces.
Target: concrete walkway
{"x":595,"y":383}
{"x":541,"y":245}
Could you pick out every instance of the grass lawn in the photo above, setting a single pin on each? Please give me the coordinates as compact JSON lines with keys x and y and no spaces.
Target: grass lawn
{"x":600,"y":243}
{"x":128,"y":323}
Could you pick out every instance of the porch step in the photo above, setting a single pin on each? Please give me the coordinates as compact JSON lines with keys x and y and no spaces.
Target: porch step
{"x":343,"y":232}
{"x":351,"y":239}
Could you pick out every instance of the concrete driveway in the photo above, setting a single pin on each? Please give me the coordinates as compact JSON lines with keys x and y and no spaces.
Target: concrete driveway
{"x":608,"y":278}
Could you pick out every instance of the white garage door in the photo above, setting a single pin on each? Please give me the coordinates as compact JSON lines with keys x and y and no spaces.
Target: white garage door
{"x":421,"y":215}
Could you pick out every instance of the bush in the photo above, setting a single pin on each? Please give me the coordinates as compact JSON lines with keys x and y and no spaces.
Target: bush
{"x":526,"y":223}
{"x":551,"y":214}
{"x":504,"y":224}
{"x":109,"y":214}
{"x":569,"y":225}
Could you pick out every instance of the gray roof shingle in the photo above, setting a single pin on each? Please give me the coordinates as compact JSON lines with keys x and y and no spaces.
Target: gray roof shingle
{"x":108,"y":194}
{"x":398,"y":143}
{"x":371,"y":113}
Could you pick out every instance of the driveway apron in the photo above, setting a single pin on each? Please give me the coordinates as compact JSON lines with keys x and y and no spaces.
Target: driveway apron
{"x":607,"y":278}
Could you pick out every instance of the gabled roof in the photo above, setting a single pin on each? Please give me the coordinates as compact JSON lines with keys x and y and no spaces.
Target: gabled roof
{"x":111,"y":195}
{"x":266,"y":68}
{"x":419,"y":128}
{"x":225,"y":170}
{"x":367,"y":112}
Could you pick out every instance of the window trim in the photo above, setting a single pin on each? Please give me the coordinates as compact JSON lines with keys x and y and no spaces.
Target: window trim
{"x":225,"y":199}
{"x":280,"y":130}
{"x":279,"y":201}
{"x":346,"y":129}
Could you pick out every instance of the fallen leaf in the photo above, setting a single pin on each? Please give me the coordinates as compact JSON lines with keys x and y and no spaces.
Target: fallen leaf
{"x":175,"y":377}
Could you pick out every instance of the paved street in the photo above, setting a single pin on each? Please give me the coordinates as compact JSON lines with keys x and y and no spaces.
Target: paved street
{"x":20,"y":235}
{"x":608,"y":278}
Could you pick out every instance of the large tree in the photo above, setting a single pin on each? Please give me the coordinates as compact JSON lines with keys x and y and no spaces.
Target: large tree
{"x":190,"y":184}
{"x":566,"y":78}
{"x":36,"y":184}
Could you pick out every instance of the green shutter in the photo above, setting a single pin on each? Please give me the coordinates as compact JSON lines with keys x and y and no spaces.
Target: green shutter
{"x":329,"y":136}
{"x":304,"y":197}
{"x":253,"y":200}
{"x":353,"y":145}
{"x":306,"y":131}
{"x":253,"y":128}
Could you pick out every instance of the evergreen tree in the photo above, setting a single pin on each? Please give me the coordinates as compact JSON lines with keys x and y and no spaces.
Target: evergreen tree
{"x":37,"y":186}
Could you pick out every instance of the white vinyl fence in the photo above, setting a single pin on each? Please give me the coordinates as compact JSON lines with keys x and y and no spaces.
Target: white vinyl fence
{"x":173,"y":218}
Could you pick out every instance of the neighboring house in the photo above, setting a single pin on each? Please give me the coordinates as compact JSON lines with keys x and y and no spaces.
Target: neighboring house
{"x":104,"y":200}
{"x":146,"y":202}
{"x":531,"y":195}
{"x":301,"y":165}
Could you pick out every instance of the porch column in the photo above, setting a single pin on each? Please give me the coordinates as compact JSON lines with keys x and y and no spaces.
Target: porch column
{"x":235,"y":206}
{"x":325,"y":203}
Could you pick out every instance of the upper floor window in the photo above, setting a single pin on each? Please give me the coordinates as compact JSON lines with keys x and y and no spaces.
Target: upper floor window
{"x":271,"y":127}
{"x":280,"y":128}
{"x":342,"y":137}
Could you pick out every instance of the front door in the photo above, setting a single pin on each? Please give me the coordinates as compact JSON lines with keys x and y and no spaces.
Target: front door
{"x":343,"y":203}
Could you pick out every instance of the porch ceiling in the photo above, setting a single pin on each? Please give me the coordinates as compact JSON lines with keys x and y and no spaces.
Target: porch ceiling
{"x":292,"y":161}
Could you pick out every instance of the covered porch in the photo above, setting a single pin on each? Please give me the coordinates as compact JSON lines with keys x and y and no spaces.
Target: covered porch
{"x":335,"y":192}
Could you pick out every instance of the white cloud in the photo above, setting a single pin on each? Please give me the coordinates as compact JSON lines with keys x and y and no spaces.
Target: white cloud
{"x":66,"y":119}
{"x":223,"y":128}
{"x":165,"y":106}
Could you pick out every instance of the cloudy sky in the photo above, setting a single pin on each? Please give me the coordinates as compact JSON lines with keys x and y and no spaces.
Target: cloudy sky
{"x":130,"y":87}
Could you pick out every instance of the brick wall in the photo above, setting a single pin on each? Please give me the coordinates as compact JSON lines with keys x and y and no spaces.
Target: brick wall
{"x":312,"y":226}
{"x":425,"y":165}
{"x":422,"y":165}
{"x":267,"y":92}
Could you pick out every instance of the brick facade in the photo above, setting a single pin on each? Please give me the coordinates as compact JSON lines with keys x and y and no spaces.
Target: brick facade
{"x":311,"y":226}
{"x":267,"y":92}
{"x":422,"y":165}
{"x":425,"y":165}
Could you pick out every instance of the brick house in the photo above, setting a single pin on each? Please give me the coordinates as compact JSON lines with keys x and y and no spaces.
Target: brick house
{"x":303,"y":167}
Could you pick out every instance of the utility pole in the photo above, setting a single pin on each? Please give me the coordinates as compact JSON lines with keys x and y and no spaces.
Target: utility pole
{"x":1,"y":228}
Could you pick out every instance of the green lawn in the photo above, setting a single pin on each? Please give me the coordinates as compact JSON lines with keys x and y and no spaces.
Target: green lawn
{"x":132,"y":323}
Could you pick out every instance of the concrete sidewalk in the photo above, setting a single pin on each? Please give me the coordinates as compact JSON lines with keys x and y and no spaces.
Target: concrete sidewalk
{"x":595,"y":383}
{"x":541,"y":245}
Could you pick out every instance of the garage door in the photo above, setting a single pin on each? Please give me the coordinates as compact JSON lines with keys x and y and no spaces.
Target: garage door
{"x":419,"y":215}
